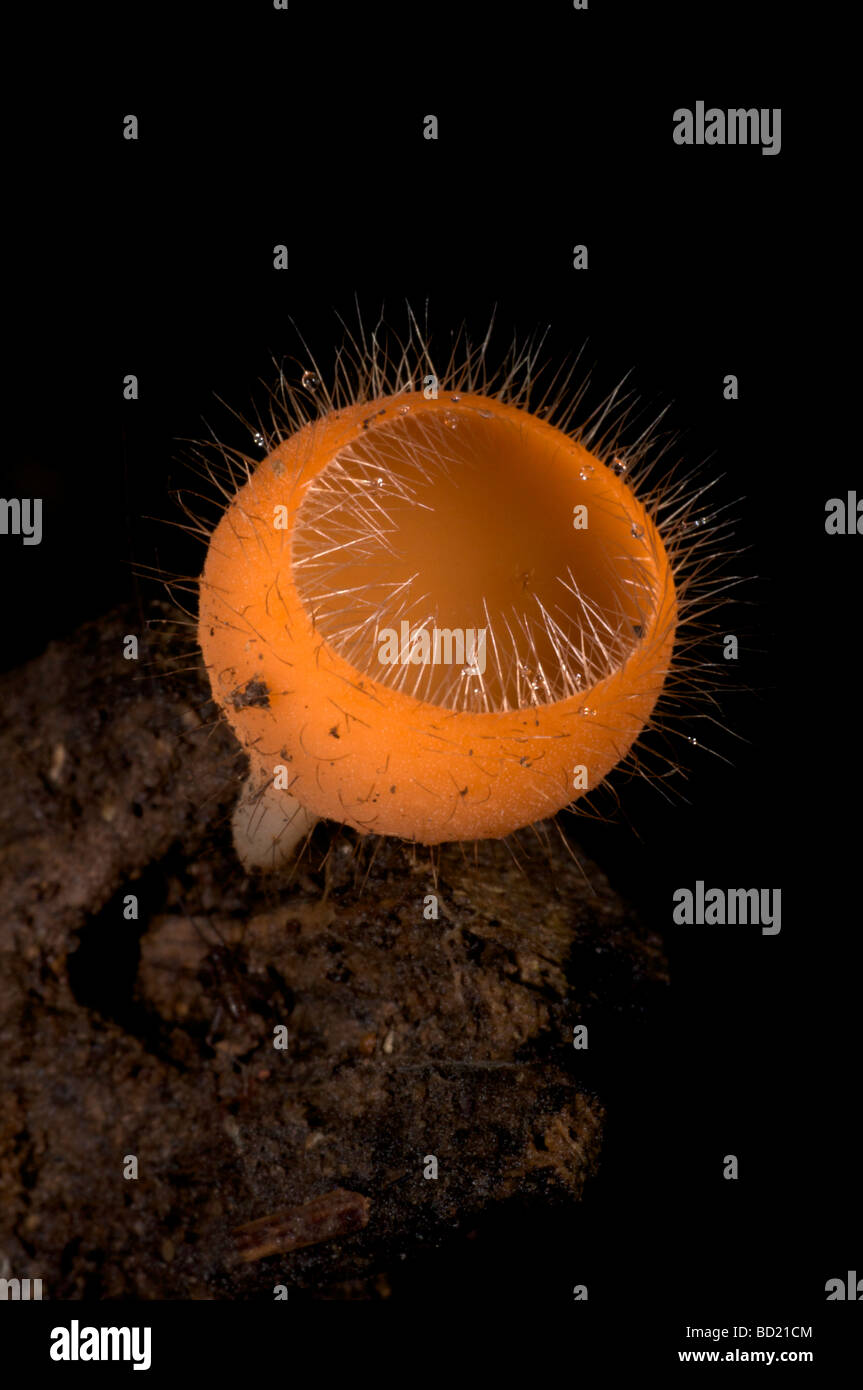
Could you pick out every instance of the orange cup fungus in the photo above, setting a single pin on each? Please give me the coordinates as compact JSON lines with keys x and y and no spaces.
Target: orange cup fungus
{"x":439,"y":618}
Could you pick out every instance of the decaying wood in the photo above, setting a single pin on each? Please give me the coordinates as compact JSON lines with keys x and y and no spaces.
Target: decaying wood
{"x":152,"y":1036}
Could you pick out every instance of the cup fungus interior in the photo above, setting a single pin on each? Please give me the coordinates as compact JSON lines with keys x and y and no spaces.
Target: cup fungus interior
{"x":462,"y":519}
{"x":461,"y":513}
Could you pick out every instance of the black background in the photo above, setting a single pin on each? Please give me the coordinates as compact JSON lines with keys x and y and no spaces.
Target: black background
{"x":155,"y":257}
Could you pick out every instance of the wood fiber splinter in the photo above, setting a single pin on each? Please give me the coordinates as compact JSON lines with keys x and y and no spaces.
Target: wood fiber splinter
{"x":336,"y":1213}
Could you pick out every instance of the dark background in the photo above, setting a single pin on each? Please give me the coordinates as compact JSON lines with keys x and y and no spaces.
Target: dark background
{"x":155,"y":258}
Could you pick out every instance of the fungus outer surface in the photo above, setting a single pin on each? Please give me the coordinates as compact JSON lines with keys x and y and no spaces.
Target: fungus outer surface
{"x":459,"y":512}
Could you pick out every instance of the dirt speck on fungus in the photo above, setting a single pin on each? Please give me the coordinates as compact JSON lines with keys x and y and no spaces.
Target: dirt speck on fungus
{"x":254,"y":693}
{"x":144,"y":979}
